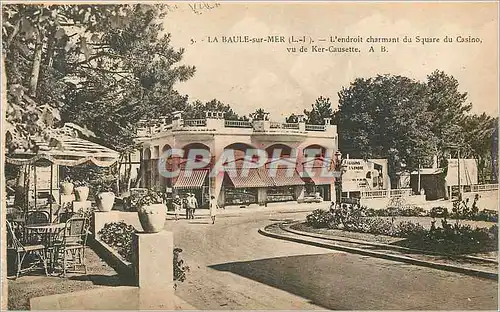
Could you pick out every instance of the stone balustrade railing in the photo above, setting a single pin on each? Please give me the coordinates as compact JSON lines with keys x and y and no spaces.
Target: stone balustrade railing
{"x":148,"y":129}
{"x":237,"y":124}
{"x":315,"y":127}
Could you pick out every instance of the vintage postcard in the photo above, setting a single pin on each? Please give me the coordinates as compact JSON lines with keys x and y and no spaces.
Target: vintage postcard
{"x":219,"y":155}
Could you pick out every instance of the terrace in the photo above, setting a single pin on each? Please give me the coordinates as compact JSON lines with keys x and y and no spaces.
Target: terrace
{"x":214,"y":122}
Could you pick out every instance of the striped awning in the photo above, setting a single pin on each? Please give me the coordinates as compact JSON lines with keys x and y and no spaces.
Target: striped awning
{"x":284,"y":178}
{"x":190,"y":179}
{"x":249,"y":181}
{"x":314,"y":175}
{"x":63,"y":146}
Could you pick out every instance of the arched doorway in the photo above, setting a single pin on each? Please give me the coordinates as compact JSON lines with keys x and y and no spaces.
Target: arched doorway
{"x":193,"y":175}
{"x":314,"y":162}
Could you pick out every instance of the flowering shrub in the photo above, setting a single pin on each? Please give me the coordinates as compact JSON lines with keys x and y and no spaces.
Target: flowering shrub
{"x":180,"y":268}
{"x":451,"y":237}
{"x":118,"y":235}
{"x":410,"y":230}
{"x":380,"y":226}
{"x":397,"y":211}
{"x":319,"y":219}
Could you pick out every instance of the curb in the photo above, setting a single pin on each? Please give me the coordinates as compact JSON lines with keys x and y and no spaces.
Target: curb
{"x":286,"y":227}
{"x":434,"y":265}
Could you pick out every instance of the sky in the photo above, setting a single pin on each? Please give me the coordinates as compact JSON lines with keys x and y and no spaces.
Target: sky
{"x":264,"y":75}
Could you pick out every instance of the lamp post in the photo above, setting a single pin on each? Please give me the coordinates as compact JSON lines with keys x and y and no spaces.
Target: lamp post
{"x":338,"y":182}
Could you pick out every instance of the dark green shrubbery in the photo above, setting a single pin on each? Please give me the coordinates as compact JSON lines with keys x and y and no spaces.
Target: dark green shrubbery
{"x":319,"y":219}
{"x":396,"y":211}
{"x":448,"y":237}
{"x":118,"y":235}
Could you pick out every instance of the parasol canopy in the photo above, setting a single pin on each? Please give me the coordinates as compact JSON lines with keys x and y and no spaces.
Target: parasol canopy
{"x":64,"y":147}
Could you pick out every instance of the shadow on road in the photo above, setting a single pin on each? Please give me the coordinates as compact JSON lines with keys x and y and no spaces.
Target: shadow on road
{"x":340,"y":281}
{"x":282,"y":273}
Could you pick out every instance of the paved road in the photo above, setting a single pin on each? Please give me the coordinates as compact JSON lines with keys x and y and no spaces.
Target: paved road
{"x":234,"y":267}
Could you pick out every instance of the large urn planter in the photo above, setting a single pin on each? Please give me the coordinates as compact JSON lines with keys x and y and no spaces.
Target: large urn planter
{"x":105,"y":201}
{"x":152,"y":217}
{"x":67,"y":188}
{"x":81,"y":193}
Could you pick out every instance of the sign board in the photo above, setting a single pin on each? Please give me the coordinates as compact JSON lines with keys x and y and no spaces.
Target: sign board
{"x":361,"y":175}
{"x":354,"y":177}
{"x":468,"y":172}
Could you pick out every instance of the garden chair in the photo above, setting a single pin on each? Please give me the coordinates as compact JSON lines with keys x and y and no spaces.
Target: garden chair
{"x":65,"y":216}
{"x":35,"y":253}
{"x":37,"y":217}
{"x":70,"y":250}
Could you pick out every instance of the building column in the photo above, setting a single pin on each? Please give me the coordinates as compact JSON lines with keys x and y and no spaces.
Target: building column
{"x":300,"y":191}
{"x":262,"y":195}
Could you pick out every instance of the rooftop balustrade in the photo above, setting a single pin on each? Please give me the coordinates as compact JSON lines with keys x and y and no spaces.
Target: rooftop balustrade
{"x":218,"y":124}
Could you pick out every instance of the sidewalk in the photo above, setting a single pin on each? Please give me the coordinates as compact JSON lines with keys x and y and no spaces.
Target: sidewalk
{"x":486,"y":268}
{"x":254,"y":208}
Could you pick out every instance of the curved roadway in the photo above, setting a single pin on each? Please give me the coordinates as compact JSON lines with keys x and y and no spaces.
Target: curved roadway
{"x":234,"y":267}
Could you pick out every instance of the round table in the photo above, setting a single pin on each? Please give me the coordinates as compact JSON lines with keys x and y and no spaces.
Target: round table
{"x":47,"y":235}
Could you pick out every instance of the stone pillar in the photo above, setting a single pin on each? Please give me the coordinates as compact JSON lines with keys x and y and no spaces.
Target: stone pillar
{"x":300,"y":192}
{"x":154,"y":260}
{"x":261,"y":195}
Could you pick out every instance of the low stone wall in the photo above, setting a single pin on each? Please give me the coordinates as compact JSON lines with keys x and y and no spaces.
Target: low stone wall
{"x":113,"y":259}
{"x":101,"y":218}
{"x":152,"y":265}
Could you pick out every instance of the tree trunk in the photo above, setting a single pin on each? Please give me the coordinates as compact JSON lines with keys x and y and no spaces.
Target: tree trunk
{"x":35,"y":68}
{"x":50,"y":48}
{"x":129,"y":173}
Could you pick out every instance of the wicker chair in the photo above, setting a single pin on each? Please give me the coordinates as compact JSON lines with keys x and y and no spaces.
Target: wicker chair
{"x":36,"y":251}
{"x":71,"y":250}
{"x":37,"y":217}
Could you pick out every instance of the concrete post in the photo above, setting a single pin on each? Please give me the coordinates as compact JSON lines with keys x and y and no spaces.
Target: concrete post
{"x":261,"y":195}
{"x":300,"y":192}
{"x":154,"y":260}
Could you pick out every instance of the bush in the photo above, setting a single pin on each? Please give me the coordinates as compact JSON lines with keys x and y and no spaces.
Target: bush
{"x":180,"y":268}
{"x":438,"y":212}
{"x":410,"y":230}
{"x":320,"y":219}
{"x":118,"y":235}
{"x":486,"y":215}
{"x":396,"y":212}
{"x":380,"y":226}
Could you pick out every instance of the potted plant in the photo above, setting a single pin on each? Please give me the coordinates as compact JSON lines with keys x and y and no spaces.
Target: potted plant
{"x":81,"y":191}
{"x":67,"y":186}
{"x":105,"y":197}
{"x":151,"y":210}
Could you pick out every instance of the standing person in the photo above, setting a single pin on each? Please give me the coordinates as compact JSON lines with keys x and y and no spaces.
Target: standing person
{"x":213,"y":208}
{"x":185,"y":205}
{"x":192,"y":204}
{"x":177,"y":203}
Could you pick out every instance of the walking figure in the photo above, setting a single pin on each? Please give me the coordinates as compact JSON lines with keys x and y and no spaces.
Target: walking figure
{"x":185,"y":206}
{"x":192,"y":205}
{"x":177,"y":203}
{"x":213,"y":208}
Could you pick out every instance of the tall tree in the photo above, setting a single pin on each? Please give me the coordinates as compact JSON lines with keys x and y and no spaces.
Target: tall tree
{"x":260,"y":114}
{"x":386,"y":117}
{"x":448,"y":107}
{"x":107,"y":65}
{"x":198,"y":109}
{"x":320,"y":110}
{"x":480,"y":131}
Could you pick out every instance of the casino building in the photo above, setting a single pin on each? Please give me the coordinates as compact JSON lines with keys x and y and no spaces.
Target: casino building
{"x":304,"y":148}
